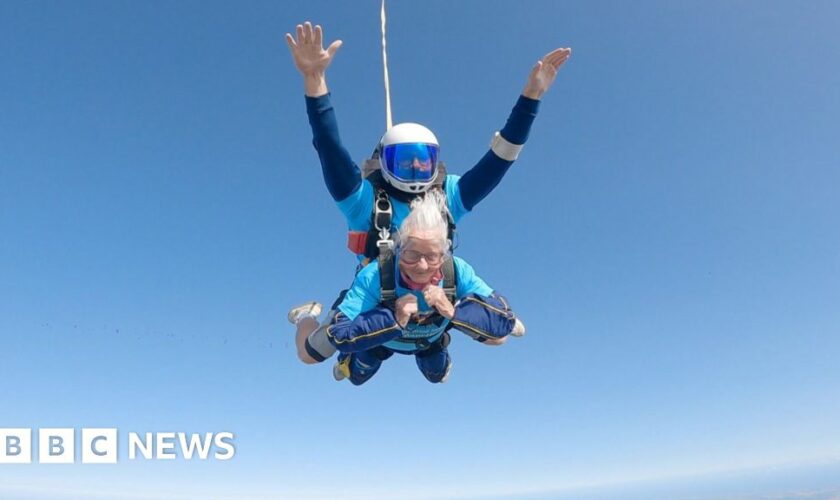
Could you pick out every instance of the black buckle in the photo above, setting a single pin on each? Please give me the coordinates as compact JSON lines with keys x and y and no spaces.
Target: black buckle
{"x":382,"y":212}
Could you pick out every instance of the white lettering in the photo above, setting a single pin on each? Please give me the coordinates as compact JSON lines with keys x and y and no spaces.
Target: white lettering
{"x":187,"y":450}
{"x":229,"y":449}
{"x":146,"y":446}
{"x":163,"y":445}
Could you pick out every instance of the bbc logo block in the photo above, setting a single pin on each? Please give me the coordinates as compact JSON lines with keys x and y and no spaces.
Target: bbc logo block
{"x":99,"y":446}
{"x":17,"y":446}
{"x":58,"y":446}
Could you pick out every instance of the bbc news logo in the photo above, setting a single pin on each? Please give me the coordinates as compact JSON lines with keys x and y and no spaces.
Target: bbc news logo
{"x":99,"y":446}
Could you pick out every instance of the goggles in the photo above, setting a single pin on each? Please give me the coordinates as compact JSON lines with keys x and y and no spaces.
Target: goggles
{"x":413,"y":257}
{"x":414,"y":162}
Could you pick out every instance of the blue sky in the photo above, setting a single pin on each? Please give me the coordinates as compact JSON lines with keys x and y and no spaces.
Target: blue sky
{"x":669,"y":235}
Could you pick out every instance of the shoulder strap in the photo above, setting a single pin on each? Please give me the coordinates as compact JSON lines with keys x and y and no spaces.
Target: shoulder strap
{"x":387,"y":279}
{"x":370,"y":166}
{"x":450,"y":279}
{"x":441,"y":175}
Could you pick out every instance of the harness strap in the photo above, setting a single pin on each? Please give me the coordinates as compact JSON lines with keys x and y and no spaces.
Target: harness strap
{"x":450,"y":280}
{"x":387,"y":280}
{"x":382,"y":215}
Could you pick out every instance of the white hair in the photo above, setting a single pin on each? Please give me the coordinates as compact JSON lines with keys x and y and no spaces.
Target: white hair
{"x":428,"y":215}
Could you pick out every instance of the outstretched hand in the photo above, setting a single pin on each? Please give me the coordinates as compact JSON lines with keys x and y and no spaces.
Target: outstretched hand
{"x":310,"y":57}
{"x":544,"y":72}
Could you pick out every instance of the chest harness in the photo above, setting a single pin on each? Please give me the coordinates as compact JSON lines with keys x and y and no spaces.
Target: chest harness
{"x":377,"y":238}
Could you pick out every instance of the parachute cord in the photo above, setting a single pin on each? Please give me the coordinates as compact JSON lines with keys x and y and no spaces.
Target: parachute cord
{"x":388,"y":121}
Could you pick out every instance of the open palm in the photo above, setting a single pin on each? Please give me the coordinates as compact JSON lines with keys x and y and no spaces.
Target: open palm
{"x":544,"y":72}
{"x":308,"y":51}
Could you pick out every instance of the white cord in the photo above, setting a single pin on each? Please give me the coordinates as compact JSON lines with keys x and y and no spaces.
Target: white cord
{"x":388,"y":121}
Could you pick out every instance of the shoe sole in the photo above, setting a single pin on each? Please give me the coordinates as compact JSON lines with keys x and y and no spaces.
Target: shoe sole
{"x":309,"y":308}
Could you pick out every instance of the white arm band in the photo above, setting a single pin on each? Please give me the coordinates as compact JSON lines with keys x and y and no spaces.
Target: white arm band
{"x":505,"y":150}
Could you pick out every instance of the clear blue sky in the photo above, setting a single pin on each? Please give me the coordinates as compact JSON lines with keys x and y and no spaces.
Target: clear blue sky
{"x":669,"y":235}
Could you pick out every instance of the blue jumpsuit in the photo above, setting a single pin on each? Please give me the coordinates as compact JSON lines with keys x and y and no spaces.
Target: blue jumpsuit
{"x":368,"y":333}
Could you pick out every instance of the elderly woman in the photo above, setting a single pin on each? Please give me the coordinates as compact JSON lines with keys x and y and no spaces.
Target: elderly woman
{"x":367,"y":330}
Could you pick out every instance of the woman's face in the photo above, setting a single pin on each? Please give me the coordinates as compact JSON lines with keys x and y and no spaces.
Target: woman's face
{"x":421,"y":256}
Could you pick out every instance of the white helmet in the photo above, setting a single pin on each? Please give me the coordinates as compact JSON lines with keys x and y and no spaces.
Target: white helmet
{"x":408,"y":156}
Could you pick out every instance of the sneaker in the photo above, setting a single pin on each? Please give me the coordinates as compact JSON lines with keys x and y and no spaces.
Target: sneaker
{"x":307,"y":310}
{"x":518,"y":329}
{"x":446,"y":375}
{"x":341,"y":369}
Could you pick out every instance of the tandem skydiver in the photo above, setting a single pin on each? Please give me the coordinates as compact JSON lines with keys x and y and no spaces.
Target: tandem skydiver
{"x":407,"y":155}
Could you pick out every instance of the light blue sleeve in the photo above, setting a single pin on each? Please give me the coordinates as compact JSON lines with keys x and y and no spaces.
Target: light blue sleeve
{"x":364,"y":294}
{"x":453,"y":197}
{"x":358,"y":206}
{"x":468,"y":281}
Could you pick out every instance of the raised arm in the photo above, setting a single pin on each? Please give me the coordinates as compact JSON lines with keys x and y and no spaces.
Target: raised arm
{"x":341,"y":175}
{"x":480,"y":180}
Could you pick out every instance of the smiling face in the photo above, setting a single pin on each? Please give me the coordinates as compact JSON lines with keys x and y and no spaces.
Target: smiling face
{"x":421,"y":256}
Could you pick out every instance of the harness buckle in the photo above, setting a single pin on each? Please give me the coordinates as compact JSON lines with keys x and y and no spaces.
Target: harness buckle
{"x":382,"y":212}
{"x":385,"y":243}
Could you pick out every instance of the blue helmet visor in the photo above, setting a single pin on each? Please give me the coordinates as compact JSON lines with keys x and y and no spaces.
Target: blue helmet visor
{"x":415,"y":162}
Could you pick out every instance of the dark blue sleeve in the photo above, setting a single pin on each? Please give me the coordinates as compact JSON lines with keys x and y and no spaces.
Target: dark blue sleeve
{"x":484,"y":318}
{"x":477,"y":183}
{"x":369,"y":329}
{"x":341,"y":174}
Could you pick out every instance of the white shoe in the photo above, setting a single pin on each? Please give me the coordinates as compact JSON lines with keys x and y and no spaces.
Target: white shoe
{"x":307,"y":310}
{"x":518,"y":329}
{"x":446,"y":375}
